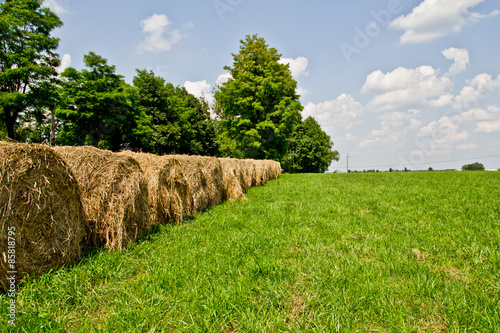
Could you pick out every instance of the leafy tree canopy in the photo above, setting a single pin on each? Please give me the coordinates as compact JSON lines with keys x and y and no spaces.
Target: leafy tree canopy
{"x":180,"y":122}
{"x":27,"y":57}
{"x":310,"y":149}
{"x":98,"y":108}
{"x":473,"y":167}
{"x":258,"y":105}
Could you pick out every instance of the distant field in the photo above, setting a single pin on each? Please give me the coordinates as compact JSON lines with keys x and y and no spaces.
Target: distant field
{"x":385,"y":252}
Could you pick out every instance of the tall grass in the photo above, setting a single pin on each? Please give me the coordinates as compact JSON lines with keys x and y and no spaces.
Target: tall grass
{"x":393,"y":252}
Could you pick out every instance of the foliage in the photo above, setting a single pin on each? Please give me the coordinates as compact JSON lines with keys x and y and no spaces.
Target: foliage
{"x":98,"y":108}
{"x":27,"y":59}
{"x":259,"y":106}
{"x":473,"y":167}
{"x":305,"y":253}
{"x":180,"y":122}
{"x":309,"y":149}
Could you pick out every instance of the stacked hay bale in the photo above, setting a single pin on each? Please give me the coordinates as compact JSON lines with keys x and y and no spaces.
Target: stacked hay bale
{"x":114,"y":194}
{"x":261,"y":172}
{"x":233,"y":178}
{"x":249,"y":174}
{"x":204,"y":179}
{"x":42,"y":220}
{"x":168,"y":188}
{"x":211,"y":171}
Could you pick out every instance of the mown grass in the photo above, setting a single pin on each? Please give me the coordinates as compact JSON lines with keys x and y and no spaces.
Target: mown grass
{"x":392,"y":252}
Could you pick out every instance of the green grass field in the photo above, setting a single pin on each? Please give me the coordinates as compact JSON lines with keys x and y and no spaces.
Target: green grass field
{"x":386,"y":252}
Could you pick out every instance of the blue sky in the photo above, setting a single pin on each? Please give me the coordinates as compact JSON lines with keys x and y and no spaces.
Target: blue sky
{"x":395,"y":83}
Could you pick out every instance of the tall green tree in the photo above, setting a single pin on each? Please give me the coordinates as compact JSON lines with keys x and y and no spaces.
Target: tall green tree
{"x":310,"y":149}
{"x":27,"y":57}
{"x":180,"y":122}
{"x":259,"y":106}
{"x":98,"y":108}
{"x":473,"y":167}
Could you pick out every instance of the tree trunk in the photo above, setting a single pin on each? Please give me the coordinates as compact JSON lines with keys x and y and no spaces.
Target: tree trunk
{"x":9,"y":122}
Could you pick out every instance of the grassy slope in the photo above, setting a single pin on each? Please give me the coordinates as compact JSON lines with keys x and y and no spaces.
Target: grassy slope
{"x":370,"y":252}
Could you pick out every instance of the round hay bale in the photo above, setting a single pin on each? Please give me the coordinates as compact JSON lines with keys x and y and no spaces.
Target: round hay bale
{"x":42,"y":220}
{"x":249,"y":174}
{"x":167,"y":186}
{"x":232,"y":174}
{"x":211,"y":171}
{"x":204,"y":177}
{"x":261,"y":171}
{"x":114,"y":194}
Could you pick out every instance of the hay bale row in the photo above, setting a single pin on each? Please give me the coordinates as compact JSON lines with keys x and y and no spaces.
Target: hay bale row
{"x":240,"y":175}
{"x":168,"y":188}
{"x":42,"y":220}
{"x":114,"y":194}
{"x":63,"y":199}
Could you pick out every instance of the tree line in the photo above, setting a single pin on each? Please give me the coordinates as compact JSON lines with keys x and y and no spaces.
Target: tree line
{"x":257,"y":112}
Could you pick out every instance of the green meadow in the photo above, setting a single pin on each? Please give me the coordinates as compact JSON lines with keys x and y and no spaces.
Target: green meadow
{"x":379,"y":252}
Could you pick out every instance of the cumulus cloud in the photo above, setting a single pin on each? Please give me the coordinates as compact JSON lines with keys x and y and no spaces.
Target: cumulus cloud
{"x":200,"y":89}
{"x":444,"y":131}
{"x":223,"y":78}
{"x":159,"y":35}
{"x":65,"y":62}
{"x":490,"y":120}
{"x":298,"y":66}
{"x":343,"y":112}
{"x":481,"y":87}
{"x":433,"y":19}
{"x":469,"y":146}
{"x":407,"y":88}
{"x":55,"y":6}
{"x":460,"y":59}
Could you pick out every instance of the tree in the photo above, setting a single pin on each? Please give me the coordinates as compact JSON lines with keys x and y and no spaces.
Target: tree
{"x":27,"y":57}
{"x":180,"y":122}
{"x":259,"y":106}
{"x":98,"y":108}
{"x":310,"y":149}
{"x":473,"y":167}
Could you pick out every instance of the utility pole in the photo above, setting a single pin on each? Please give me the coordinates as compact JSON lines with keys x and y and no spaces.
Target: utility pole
{"x":347,"y":163}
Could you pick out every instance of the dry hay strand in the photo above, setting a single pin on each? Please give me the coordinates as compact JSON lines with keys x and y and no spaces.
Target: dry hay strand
{"x":274,"y":169}
{"x":232,"y":175}
{"x":114,"y":194}
{"x":42,"y":220}
{"x":204,"y":178}
{"x":192,"y":169}
{"x":167,"y":186}
{"x":211,"y":171}
{"x":249,"y":174}
{"x":261,"y":171}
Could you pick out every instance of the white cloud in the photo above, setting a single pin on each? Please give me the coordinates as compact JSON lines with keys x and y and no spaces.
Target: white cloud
{"x":460,"y":59}
{"x":223,"y":78}
{"x":343,"y":112}
{"x":159,"y":36}
{"x":479,"y":88}
{"x":469,"y":146}
{"x":433,"y":19}
{"x":407,"y":88}
{"x":488,"y":127}
{"x":444,"y":131}
{"x":384,"y":137}
{"x":490,"y":120}
{"x":298,"y":66}
{"x":65,"y":62}
{"x":55,"y":6}
{"x":200,"y":89}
